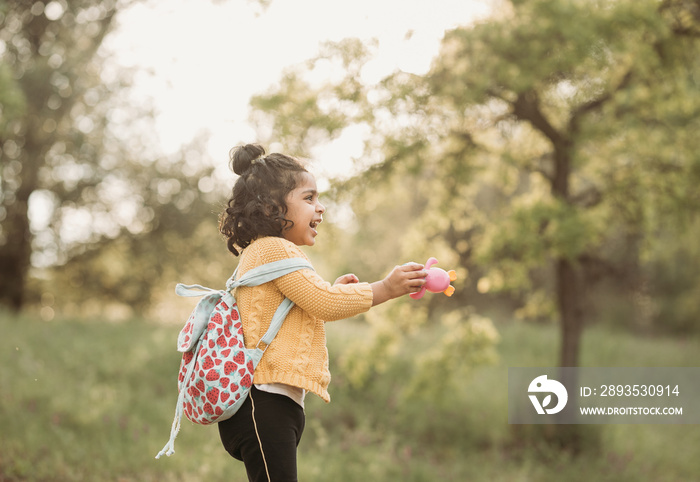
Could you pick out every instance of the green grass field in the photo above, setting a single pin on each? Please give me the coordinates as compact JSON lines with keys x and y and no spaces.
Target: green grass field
{"x":90,"y":401}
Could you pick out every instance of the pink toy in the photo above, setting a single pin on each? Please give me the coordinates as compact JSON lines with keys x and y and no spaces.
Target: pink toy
{"x":437,"y":281}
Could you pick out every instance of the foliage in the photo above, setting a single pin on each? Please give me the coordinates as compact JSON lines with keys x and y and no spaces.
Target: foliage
{"x":173,"y":236}
{"x":545,"y":151}
{"x":670,"y":301}
{"x":83,"y":400}
{"x":93,"y":218}
{"x":57,"y":146}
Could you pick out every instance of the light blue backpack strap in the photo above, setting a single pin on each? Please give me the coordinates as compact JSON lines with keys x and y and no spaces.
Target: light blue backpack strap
{"x":192,"y":290}
{"x":276,"y":323}
{"x":263,"y":274}
{"x":267,"y":272}
{"x":202,"y":311}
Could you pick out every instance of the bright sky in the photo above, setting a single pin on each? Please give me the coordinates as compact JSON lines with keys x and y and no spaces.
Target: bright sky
{"x":206,"y":59}
{"x":201,"y":61}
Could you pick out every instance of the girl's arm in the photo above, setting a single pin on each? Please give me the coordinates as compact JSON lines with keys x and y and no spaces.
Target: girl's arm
{"x":404,"y":279}
{"x":344,"y":299}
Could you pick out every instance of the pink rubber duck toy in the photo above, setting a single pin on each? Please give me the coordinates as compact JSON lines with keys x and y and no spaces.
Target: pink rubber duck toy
{"x":437,"y":281}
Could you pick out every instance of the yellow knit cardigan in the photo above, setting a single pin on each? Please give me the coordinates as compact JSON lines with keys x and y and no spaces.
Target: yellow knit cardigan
{"x":298,"y":355}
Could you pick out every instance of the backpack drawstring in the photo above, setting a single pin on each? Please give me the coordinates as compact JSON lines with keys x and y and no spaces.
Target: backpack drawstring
{"x":169,"y":448}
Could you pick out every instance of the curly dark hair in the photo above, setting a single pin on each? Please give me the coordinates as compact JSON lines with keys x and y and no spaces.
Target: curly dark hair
{"x":257,"y":205}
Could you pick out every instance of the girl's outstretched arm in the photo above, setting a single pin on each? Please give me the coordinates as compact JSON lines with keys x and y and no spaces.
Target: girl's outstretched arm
{"x":404,"y":279}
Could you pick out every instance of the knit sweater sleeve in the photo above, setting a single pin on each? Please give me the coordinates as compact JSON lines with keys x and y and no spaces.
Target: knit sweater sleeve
{"x":310,"y":291}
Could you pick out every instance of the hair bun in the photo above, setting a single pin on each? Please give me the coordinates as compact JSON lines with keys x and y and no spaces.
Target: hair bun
{"x":242,"y":157}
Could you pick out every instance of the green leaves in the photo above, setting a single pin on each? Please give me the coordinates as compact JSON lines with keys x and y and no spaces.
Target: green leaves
{"x":554,"y":132}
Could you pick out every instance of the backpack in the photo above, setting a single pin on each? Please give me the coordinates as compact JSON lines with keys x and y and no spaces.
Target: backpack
{"x":216,"y":371}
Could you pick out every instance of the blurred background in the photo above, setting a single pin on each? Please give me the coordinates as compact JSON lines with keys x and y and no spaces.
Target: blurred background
{"x":545,"y":150}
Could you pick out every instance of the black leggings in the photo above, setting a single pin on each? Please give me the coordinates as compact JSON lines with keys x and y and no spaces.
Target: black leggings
{"x":264,"y":434}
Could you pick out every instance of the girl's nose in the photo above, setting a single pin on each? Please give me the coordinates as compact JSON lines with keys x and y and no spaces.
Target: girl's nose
{"x":320,"y":208}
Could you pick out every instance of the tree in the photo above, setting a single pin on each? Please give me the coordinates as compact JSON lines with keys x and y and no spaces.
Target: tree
{"x":90,"y":209}
{"x":542,"y":138}
{"x":577,"y":78}
{"x":56,"y":140}
{"x":170,"y":235}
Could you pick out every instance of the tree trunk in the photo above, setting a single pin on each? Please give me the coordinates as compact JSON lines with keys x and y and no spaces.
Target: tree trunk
{"x":15,"y":255}
{"x":35,"y":33}
{"x":569,"y":291}
{"x":568,"y":281}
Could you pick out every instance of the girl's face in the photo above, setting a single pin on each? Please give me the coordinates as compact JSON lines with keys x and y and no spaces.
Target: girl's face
{"x":304,"y":210}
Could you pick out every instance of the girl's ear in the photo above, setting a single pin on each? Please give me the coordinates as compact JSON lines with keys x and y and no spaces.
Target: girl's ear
{"x":273,"y":209}
{"x":267,"y":204}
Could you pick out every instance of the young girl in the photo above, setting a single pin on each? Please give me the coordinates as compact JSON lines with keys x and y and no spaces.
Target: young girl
{"x":275,"y":209}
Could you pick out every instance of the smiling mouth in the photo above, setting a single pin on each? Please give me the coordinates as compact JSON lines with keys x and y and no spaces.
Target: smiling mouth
{"x":314,"y":224}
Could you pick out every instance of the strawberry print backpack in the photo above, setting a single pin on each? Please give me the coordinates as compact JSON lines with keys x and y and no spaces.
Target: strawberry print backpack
{"x":216,"y":371}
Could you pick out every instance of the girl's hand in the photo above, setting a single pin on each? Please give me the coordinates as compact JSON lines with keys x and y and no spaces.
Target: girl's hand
{"x":347,"y":279}
{"x":404,"y":279}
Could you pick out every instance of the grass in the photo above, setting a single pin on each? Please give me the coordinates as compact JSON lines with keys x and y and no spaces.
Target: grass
{"x":86,"y":400}
{"x":83,"y":400}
